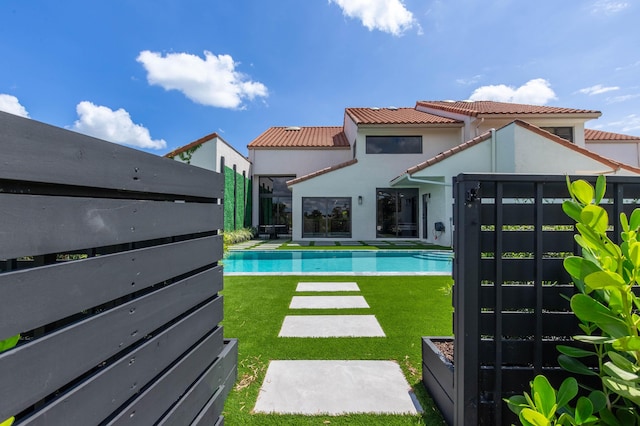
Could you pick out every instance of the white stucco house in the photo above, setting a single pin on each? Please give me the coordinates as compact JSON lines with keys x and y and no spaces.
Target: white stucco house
{"x":387,"y":172}
{"x":214,"y":153}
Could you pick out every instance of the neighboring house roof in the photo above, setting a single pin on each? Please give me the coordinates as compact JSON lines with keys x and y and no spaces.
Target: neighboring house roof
{"x":199,"y":142}
{"x":301,"y":137}
{"x":599,"y":135}
{"x":485,"y":136}
{"x":322,"y":172}
{"x":404,"y":116}
{"x":491,"y":108}
{"x":191,"y":145}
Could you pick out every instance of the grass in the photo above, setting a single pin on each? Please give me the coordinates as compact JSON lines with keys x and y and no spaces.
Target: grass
{"x":407,"y":308}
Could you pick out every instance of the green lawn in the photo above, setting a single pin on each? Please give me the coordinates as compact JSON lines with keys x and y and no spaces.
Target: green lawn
{"x":407,"y":308}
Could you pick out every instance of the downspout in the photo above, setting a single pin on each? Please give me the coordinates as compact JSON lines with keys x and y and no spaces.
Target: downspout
{"x":494,"y":158}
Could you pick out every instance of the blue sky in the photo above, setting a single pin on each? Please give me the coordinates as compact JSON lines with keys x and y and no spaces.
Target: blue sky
{"x":158,"y":74}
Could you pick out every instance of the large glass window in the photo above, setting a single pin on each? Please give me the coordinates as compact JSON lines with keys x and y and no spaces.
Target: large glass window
{"x":394,"y":144}
{"x":326,"y":217}
{"x":275,"y":205}
{"x":397,"y":213}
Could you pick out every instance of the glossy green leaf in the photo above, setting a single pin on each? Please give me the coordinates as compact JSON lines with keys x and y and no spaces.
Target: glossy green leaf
{"x":572,"y":209}
{"x":572,"y":365}
{"x":601,"y":188}
{"x":579,"y":267}
{"x":634,"y":220}
{"x":516,"y":403}
{"x":9,"y":343}
{"x":584,"y":410}
{"x":568,"y":390}
{"x":634,"y":254}
{"x":589,"y":309}
{"x":623,"y":362}
{"x":627,"y":343}
{"x":574,"y":352}
{"x":8,"y":422}
{"x":598,"y":400}
{"x":583,"y":191}
{"x":625,"y":389}
{"x":531,"y":417}
{"x":603,"y":279}
{"x":544,"y":395}
{"x":595,"y":217}
{"x":593,"y":339}
{"x":614,"y":371}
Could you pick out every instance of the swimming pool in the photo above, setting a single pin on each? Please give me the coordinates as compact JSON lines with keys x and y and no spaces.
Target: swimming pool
{"x":339,"y":262}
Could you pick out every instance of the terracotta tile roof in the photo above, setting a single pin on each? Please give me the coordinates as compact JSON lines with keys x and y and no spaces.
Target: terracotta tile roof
{"x":599,"y":135}
{"x":480,"y":108}
{"x":191,"y":145}
{"x":404,"y":116}
{"x":322,"y":172}
{"x":301,"y":137}
{"x":483,"y":137}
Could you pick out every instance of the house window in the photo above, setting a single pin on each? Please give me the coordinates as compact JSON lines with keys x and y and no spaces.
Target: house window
{"x":275,"y":205}
{"x":394,"y":145}
{"x":397,"y":213}
{"x":563,"y":132}
{"x":326,"y":217}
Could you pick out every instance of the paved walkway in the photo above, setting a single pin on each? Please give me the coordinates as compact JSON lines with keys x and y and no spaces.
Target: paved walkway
{"x":256,"y":244}
{"x":333,"y":387}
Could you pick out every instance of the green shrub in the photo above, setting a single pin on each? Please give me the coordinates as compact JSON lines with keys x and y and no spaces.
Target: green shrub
{"x":237,"y":236}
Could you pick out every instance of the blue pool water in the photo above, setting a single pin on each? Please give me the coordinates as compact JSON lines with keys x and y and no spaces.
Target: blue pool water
{"x":409,"y":262}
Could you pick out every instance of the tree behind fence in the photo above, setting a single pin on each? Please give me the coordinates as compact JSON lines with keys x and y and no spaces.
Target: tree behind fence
{"x":109,"y":271}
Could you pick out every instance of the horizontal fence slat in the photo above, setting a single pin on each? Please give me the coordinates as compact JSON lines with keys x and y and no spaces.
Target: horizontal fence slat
{"x":517,"y":324}
{"x":38,"y":296}
{"x":168,"y":388}
{"x":37,"y":152}
{"x":26,"y":228}
{"x":38,"y":368}
{"x":523,"y":296}
{"x":95,"y":399}
{"x":198,"y":406}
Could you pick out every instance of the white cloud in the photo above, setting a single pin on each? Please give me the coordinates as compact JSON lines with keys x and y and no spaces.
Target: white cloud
{"x":212,"y":81}
{"x":469,"y":81}
{"x":608,"y":7}
{"x":10,"y":104}
{"x":537,"y":92}
{"x":597,"y":89}
{"x":629,"y":124}
{"x":114,"y":126}
{"x":390,"y":16}
{"x":622,"y":98}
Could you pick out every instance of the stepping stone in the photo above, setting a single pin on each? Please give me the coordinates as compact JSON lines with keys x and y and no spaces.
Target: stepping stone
{"x":331,"y":326}
{"x":328,"y":302}
{"x":335,"y":388}
{"x":326,"y":286}
{"x":325,"y":243}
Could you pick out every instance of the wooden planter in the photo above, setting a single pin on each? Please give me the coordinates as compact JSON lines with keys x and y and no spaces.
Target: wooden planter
{"x":437,"y":376}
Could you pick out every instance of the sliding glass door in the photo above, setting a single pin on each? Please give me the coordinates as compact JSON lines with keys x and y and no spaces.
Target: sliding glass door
{"x":397,"y":213}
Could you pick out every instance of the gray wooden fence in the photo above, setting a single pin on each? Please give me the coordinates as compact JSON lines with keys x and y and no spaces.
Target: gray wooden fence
{"x":109,"y":271}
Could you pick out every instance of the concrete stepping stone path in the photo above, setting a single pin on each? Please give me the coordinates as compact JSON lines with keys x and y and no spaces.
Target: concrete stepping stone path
{"x":328,"y":302}
{"x":331,"y":326}
{"x":327,"y":286}
{"x":335,"y":387}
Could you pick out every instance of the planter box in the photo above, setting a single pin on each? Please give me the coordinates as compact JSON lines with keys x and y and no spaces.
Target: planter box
{"x":437,"y":376}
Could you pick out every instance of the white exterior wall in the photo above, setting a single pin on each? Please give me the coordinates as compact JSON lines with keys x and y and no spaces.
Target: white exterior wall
{"x":290,"y":162}
{"x":622,"y":151}
{"x":209,"y":153}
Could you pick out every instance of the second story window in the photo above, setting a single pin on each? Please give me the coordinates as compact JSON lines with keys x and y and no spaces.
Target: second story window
{"x":563,"y":132}
{"x":394,"y":144}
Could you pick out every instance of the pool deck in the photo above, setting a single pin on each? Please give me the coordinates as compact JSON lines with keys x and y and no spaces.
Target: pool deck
{"x":287,"y":244}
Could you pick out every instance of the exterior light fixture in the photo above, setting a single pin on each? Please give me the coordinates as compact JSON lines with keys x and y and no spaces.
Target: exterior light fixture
{"x":359,"y":199}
